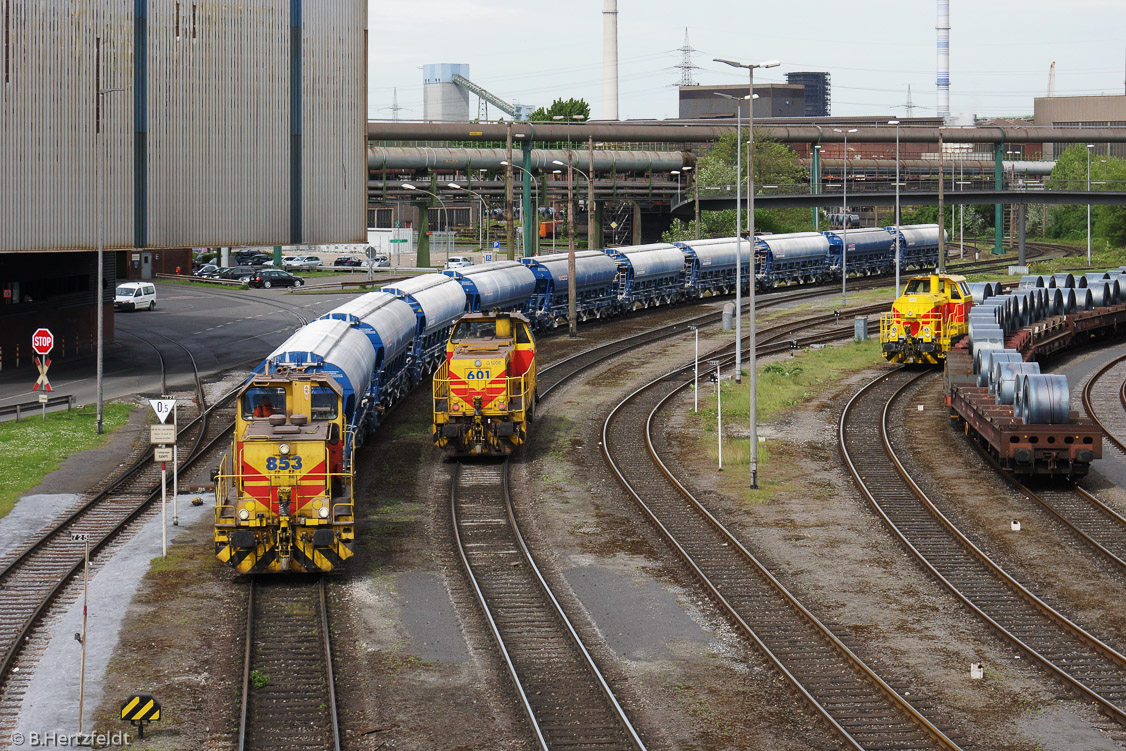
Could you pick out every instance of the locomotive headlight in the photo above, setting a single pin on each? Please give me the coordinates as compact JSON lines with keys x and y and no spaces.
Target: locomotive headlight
{"x":894,"y":330}
{"x":476,"y":363}
{"x":323,"y":512}
{"x":244,"y":514}
{"x":926,"y":330}
{"x":283,"y":449}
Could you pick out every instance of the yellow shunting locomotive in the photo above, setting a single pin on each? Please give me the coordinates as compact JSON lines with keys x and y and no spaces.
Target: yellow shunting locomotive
{"x":484,"y":393}
{"x":284,"y":494}
{"x":932,"y":311}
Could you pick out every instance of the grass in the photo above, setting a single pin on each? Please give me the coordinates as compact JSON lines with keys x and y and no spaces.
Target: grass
{"x":33,"y":448}
{"x":782,"y":386}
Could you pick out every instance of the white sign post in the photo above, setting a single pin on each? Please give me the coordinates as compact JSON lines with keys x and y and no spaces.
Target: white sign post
{"x":83,"y":538}
{"x":163,"y":407}
{"x":162,"y":436}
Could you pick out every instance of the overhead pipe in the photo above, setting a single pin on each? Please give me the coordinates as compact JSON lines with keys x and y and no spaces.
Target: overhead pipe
{"x":418,"y":158}
{"x":693,"y":132}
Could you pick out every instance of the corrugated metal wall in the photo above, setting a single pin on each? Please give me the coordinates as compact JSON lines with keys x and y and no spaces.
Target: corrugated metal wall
{"x":54,"y":56}
{"x":217,"y":81}
{"x":334,"y":105}
{"x":218,"y":104}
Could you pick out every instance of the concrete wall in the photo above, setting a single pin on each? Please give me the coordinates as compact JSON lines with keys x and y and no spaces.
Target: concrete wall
{"x":1081,"y":112}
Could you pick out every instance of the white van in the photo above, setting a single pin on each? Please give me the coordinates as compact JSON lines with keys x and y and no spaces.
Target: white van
{"x":135,"y":295}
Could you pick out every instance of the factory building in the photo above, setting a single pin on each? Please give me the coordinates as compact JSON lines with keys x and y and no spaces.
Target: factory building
{"x":155,"y":126}
{"x":774,"y":100}
{"x":818,"y":91}
{"x":1081,"y":112}
{"x":443,"y":100}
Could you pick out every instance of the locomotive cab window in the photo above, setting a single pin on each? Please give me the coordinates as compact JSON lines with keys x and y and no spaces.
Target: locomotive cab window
{"x":955,"y":292}
{"x":523,"y":334}
{"x":917,"y":286}
{"x":322,"y":403}
{"x":259,"y":402}
{"x":473,"y":330}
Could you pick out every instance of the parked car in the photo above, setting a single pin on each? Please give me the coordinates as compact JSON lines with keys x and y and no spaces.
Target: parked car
{"x":304,"y":262}
{"x":377,"y":261}
{"x":134,"y":295}
{"x":348,"y":262}
{"x":457,"y":262}
{"x":267,"y":278}
{"x":236,"y":272}
{"x":206,"y":270}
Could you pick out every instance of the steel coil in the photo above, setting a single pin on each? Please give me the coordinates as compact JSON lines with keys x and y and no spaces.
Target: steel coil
{"x":1064,"y":280}
{"x":990,"y":362}
{"x":981,"y":349}
{"x":985,"y":332}
{"x":980,"y":291}
{"x":1101,"y":294}
{"x":1068,"y":306}
{"x":1055,"y":302}
{"x":1005,"y":388}
{"x":1032,"y":280}
{"x":1046,"y":400}
{"x":1083,"y":300}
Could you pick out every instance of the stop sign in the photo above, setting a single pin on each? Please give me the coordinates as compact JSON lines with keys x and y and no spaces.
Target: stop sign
{"x":42,"y":341}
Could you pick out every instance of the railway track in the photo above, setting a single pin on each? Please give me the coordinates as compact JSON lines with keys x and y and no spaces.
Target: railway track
{"x":289,"y":690}
{"x":567,"y":699}
{"x":1092,"y":668}
{"x":1104,"y":399}
{"x":860,"y":707}
{"x":37,"y":576}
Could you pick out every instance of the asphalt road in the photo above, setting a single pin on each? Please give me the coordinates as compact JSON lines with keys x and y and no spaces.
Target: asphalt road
{"x":223,"y":328}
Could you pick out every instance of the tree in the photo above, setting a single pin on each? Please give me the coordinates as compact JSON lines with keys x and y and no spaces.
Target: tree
{"x":1070,"y":173}
{"x":565,"y":109}
{"x":775,"y":164}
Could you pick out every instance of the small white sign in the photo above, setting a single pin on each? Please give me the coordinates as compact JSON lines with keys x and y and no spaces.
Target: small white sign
{"x":162,"y":455}
{"x":43,"y":398}
{"x":79,"y":537}
{"x":162,"y":434}
{"x":162,"y":407}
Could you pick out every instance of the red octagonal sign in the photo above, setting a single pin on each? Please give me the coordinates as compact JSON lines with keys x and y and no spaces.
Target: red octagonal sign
{"x":42,"y":341}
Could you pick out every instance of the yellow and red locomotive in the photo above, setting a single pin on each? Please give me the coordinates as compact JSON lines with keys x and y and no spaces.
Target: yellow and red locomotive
{"x":485,"y":391}
{"x":284,"y":494}
{"x":932,"y":311}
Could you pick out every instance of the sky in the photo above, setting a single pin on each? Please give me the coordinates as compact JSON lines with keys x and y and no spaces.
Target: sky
{"x":534,"y":51}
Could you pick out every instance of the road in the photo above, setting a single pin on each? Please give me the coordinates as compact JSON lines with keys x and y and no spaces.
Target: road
{"x":223,"y":328}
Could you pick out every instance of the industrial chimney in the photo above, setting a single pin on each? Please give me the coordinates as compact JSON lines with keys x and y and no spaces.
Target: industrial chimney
{"x":943,"y":27}
{"x":610,"y":59}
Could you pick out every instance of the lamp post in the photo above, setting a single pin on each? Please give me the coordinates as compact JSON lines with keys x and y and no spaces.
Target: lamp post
{"x":844,"y":217}
{"x":739,"y":233}
{"x":677,"y":173}
{"x":445,"y":213}
{"x":815,"y":180}
{"x":524,"y":220}
{"x":475,"y":194}
{"x":99,"y":292}
{"x":1089,"y":147}
{"x":572,"y":312}
{"x":897,"y":249}
{"x":752,"y":364}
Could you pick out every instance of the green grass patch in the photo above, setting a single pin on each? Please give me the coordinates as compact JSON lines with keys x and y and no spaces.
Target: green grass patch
{"x":33,"y":448}
{"x":1102,"y":259}
{"x":782,"y":386}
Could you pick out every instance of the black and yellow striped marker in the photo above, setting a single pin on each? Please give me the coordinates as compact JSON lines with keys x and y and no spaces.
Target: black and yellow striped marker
{"x":139,"y":709}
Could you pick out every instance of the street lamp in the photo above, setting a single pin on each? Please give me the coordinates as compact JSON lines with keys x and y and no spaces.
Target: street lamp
{"x":506,"y":163}
{"x":739,"y":233}
{"x":1089,"y":147}
{"x":897,"y":250}
{"x":844,"y":219}
{"x":752,"y":363}
{"x":696,"y":372}
{"x":815,"y":180}
{"x":446,"y":213}
{"x":677,"y":173}
{"x":572,"y":311}
{"x":99,"y":293}
{"x":475,"y":194}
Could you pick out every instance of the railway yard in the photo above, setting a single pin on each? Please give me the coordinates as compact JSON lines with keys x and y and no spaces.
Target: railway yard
{"x":607,"y":586}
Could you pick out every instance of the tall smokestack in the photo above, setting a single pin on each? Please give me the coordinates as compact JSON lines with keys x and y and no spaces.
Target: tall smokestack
{"x":610,"y":60}
{"x":943,"y":27}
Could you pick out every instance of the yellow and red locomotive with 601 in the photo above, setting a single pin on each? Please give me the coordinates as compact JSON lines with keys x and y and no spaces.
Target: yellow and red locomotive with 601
{"x":932,"y":311}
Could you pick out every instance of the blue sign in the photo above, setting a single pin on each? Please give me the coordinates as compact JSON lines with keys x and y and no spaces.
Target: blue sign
{"x":496,"y":244}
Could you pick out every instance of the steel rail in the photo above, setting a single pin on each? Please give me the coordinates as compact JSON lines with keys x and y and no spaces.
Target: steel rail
{"x":246,"y":738}
{"x":1088,"y":402}
{"x":714,"y":589}
{"x":865,"y":478}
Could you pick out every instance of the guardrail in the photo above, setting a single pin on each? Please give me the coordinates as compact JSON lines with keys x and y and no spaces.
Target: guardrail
{"x":25,"y":408}
{"x":204,"y":279}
